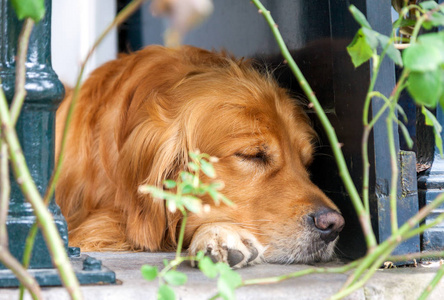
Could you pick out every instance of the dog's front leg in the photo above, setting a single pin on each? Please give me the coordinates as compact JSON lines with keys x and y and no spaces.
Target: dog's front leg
{"x":228,"y":243}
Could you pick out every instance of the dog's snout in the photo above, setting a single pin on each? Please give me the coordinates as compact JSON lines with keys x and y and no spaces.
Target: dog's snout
{"x":329,"y":223}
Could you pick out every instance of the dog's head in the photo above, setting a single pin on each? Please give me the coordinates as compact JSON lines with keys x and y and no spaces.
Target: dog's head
{"x":206,"y":101}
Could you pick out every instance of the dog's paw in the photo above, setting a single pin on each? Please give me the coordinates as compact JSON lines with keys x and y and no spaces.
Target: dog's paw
{"x":227,"y":243}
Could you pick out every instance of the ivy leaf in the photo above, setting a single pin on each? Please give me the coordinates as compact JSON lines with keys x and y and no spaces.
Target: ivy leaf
{"x":175,"y":278}
{"x":392,"y":52}
{"x":425,"y":87}
{"x":149,"y":272}
{"x":359,"y":49}
{"x":430,"y":120}
{"x":165,"y":293}
{"x":34,"y":9}
{"x":207,"y":267}
{"x":207,"y":168}
{"x":419,"y":57}
{"x":359,"y":16}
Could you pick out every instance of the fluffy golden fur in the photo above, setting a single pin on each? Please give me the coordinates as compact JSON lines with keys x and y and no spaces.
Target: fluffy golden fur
{"x":136,"y":120}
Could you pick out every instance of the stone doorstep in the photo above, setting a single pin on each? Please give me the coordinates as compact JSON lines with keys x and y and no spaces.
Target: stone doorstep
{"x":399,"y":283}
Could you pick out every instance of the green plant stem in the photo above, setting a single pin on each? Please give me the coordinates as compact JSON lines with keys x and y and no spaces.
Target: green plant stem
{"x":6,"y":258}
{"x":364,"y":146}
{"x":20,"y":77}
{"x":29,"y":189}
{"x":392,"y":241}
{"x":377,"y":262}
{"x":364,"y":217}
{"x":424,"y":227}
{"x":181,"y":233}
{"x":426,"y":293}
{"x":393,"y":100}
{"x":394,"y":169}
{"x":128,"y":10}
{"x":419,"y":255}
{"x":268,"y":280}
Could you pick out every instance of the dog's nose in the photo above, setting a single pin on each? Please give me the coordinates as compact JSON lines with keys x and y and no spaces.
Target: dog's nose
{"x":329,"y":223}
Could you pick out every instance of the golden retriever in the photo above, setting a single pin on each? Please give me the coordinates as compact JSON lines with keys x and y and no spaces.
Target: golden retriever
{"x":136,"y":120}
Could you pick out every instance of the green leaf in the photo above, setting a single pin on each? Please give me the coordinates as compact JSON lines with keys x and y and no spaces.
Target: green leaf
{"x":165,"y":262}
{"x":34,"y":9}
{"x":226,"y":200}
{"x":428,"y":5}
{"x":193,"y":156}
{"x":193,"y":166}
{"x":149,"y":272}
{"x":175,"y":278}
{"x":422,"y":58}
{"x":441,"y":98}
{"x":405,"y":23}
{"x":192,"y":203}
{"x":225,"y":289}
{"x":425,"y":87}
{"x":437,"y":19}
{"x":207,"y":267}
{"x":200,"y":255}
{"x":228,"y":281}
{"x":207,"y":168}
{"x":187,"y":188}
{"x":406,"y":134}
{"x":392,"y":52}
{"x":359,"y":49}
{"x":371,"y":37}
{"x":430,"y":120}
{"x":215,"y":196}
{"x":169,"y":184}
{"x":359,"y":16}
{"x":434,"y":40}
{"x":165,"y":293}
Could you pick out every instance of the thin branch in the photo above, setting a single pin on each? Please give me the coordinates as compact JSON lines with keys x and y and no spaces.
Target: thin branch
{"x":20,"y":69}
{"x":5,"y":256}
{"x":32,"y":195}
{"x":268,"y":280}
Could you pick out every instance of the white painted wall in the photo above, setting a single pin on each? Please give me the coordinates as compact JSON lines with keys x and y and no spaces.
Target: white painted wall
{"x":76,"y":24}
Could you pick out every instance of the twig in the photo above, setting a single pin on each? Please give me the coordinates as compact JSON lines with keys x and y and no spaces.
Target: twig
{"x":20,"y":69}
{"x":5,"y":256}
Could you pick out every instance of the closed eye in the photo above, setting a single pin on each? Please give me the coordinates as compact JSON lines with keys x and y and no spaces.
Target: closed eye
{"x":258,"y":157}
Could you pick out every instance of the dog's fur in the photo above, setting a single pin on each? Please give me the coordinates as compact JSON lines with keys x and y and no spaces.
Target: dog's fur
{"x":136,"y":120}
